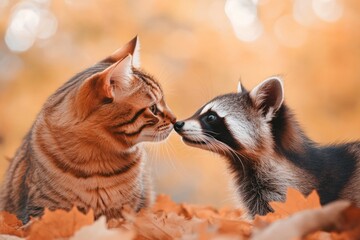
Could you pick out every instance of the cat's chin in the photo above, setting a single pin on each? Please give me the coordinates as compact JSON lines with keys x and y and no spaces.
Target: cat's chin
{"x":156,"y":137}
{"x":162,"y":136}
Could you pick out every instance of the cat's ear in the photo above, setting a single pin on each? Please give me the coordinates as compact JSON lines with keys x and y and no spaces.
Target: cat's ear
{"x":117,"y":77}
{"x":268,"y":96}
{"x":132,"y":48}
{"x":104,"y":87}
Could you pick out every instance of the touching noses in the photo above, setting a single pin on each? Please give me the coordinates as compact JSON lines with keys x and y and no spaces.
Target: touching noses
{"x":169,"y":115}
{"x":173,"y":119}
{"x":179,"y":125}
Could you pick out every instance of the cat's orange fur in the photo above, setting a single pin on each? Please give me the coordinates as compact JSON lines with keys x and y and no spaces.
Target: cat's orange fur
{"x":84,"y":148}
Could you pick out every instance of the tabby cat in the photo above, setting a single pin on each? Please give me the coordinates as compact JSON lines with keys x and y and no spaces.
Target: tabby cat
{"x":84,"y":148}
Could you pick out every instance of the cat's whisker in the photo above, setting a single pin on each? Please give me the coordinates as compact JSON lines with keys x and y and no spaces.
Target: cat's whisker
{"x":90,"y":133}
{"x":170,"y":159}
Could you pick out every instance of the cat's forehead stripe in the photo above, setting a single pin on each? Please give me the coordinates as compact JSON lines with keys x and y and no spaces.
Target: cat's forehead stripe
{"x":151,"y":82}
{"x":153,"y":86}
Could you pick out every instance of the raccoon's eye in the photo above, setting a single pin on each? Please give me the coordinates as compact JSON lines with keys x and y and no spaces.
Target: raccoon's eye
{"x":153,"y":109}
{"x":211,"y":118}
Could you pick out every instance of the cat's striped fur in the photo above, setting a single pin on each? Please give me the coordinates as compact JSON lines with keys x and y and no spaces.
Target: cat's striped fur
{"x":84,"y":148}
{"x":268,"y":152}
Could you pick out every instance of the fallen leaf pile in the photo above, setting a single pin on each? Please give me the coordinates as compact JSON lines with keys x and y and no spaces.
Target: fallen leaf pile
{"x":297,"y":218}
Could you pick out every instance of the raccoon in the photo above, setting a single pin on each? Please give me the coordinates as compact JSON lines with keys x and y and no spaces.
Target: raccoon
{"x":267,"y":151}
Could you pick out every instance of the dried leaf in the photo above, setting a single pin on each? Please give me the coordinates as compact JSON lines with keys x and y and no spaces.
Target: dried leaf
{"x":349,"y":224}
{"x":319,"y":235}
{"x":351,"y":218}
{"x":99,"y":231}
{"x":305,"y":222}
{"x":162,"y":225}
{"x":239,"y":228}
{"x":296,"y":202}
{"x":59,"y":224}
{"x":10,"y":237}
{"x":169,"y":220}
{"x":9,"y":224}
{"x":202,"y":212}
{"x":164,"y":203}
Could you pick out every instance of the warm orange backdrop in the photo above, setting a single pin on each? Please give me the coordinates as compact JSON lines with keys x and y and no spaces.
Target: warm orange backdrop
{"x":192,"y":48}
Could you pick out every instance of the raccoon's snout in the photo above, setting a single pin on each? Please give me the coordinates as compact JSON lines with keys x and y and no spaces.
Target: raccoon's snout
{"x":178,"y":126}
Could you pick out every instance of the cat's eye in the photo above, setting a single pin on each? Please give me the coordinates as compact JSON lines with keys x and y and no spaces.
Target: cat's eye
{"x":153,"y":109}
{"x":211,"y":118}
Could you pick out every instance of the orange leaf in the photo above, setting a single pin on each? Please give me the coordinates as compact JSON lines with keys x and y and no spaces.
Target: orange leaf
{"x":203,"y":212}
{"x":164,"y":203}
{"x":351,"y":217}
{"x":296,"y":202}
{"x":9,"y":224}
{"x":235,"y":227}
{"x":349,"y":223}
{"x":59,"y":224}
{"x":162,"y":225}
{"x":99,"y":231}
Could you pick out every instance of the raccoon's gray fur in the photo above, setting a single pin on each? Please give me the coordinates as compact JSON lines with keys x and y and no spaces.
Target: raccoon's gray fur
{"x":267,"y":151}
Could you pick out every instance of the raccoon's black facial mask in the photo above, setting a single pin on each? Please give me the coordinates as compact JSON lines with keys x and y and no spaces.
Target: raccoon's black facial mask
{"x":205,"y":129}
{"x":216,"y":126}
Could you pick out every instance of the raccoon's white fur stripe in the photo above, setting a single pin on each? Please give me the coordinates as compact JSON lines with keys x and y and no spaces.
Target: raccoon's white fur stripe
{"x":217,"y":107}
{"x":192,"y":126}
{"x":239,"y":128}
{"x":268,"y":152}
{"x":207,"y":107}
{"x":242,"y":131}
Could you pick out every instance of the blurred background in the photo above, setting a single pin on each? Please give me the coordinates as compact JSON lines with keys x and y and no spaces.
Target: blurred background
{"x":197,"y":50}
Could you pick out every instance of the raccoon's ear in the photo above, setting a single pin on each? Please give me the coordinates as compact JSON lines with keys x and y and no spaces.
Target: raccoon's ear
{"x":132,"y":48}
{"x":240,"y":88}
{"x":268,"y":96}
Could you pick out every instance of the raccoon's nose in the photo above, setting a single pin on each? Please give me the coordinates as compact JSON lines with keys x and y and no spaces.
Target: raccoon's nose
{"x":178,"y":126}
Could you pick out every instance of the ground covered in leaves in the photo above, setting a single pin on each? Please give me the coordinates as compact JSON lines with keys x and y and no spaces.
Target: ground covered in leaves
{"x":297,"y":218}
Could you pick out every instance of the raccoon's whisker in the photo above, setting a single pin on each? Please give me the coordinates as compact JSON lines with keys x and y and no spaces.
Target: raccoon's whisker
{"x":211,"y":132}
{"x":234,"y":154}
{"x":226,"y":148}
{"x":209,"y":141}
{"x":219,"y":147}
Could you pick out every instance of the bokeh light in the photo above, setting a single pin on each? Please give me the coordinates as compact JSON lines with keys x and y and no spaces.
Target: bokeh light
{"x":29,"y":22}
{"x":303,"y":13}
{"x":3,"y":3}
{"x":10,"y":66}
{"x":197,"y":50}
{"x":244,"y":19}
{"x":328,"y":10}
{"x":288,"y":32}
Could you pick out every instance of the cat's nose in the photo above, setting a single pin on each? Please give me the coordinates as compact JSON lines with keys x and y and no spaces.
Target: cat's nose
{"x":173,"y":120}
{"x":178,"y":126}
